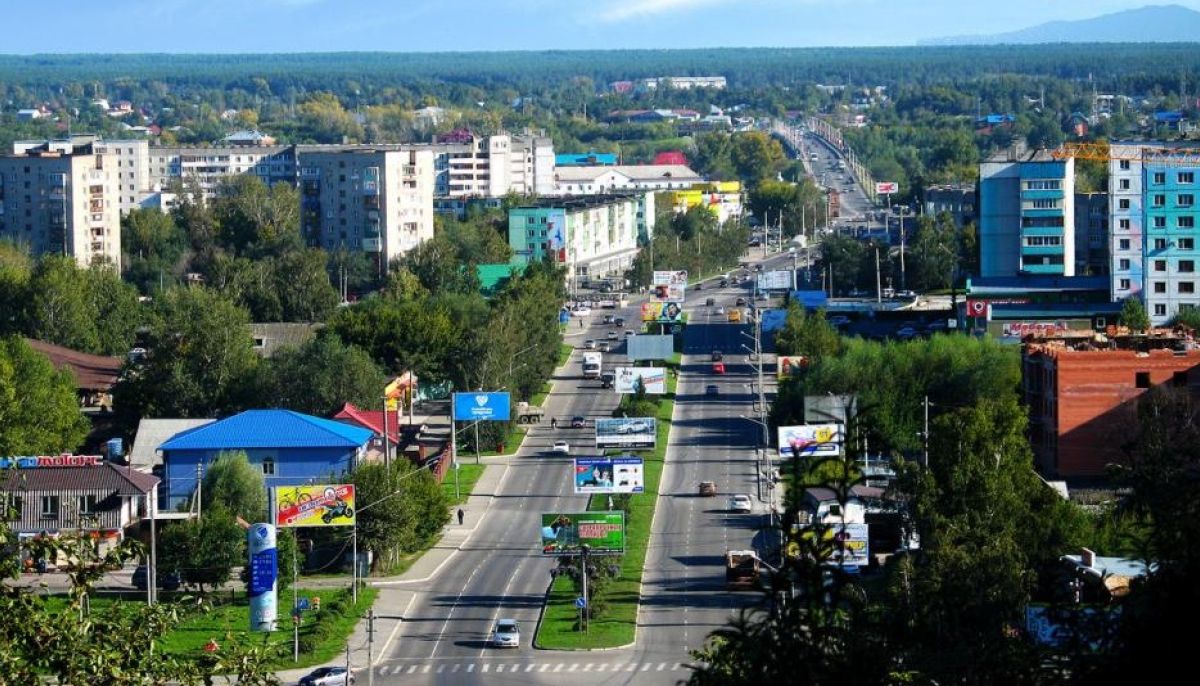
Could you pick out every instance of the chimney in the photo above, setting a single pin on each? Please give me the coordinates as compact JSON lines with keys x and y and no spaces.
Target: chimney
{"x":1088,"y":558}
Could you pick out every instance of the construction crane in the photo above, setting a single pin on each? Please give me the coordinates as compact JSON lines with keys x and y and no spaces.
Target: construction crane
{"x":1145,"y":154}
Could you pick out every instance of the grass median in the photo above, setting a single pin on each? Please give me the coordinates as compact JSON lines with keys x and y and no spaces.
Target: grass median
{"x":468,"y":474}
{"x":618,"y":625}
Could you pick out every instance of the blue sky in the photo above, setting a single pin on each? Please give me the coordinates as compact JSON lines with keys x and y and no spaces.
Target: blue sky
{"x":439,"y":25}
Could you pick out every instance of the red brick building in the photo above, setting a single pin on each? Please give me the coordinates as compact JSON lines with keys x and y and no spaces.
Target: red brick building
{"x":1082,"y":396}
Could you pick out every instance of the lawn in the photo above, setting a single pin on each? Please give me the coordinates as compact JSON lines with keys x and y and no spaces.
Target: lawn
{"x":618,"y":625}
{"x":564,"y":353}
{"x":468,"y":474}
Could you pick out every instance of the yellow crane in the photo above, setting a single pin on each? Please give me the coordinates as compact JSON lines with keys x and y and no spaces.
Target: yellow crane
{"x":1151,"y":155}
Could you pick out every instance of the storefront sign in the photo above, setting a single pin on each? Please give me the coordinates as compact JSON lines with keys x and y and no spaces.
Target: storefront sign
{"x":64,"y":460}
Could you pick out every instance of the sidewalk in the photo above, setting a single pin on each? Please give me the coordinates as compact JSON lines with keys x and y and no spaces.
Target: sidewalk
{"x":396,"y":594}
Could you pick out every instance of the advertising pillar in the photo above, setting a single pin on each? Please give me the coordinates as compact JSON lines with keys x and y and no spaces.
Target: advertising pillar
{"x":263,"y":570}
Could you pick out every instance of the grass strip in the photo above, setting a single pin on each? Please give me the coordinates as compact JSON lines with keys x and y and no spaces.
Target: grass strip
{"x":468,"y":474}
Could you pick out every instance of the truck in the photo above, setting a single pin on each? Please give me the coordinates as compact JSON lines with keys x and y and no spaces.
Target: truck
{"x":529,"y":414}
{"x":591,"y":365}
{"x":742,"y":569}
{"x":608,"y":379}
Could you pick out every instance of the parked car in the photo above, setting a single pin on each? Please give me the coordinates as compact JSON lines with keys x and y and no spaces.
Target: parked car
{"x":578,"y":422}
{"x":167,"y":581}
{"x":561,"y":447}
{"x":327,"y":676}
{"x":608,"y":319}
{"x":708,"y":489}
{"x":507,"y":634}
{"x":740,"y":503}
{"x":724,"y":283}
{"x":619,"y":322}
{"x":590,"y":344}
{"x":710,"y":302}
{"x":612,"y":335}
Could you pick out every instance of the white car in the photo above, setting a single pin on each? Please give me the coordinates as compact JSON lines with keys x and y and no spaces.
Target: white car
{"x":327,"y":676}
{"x":561,"y":447}
{"x":507,"y":634}
{"x":582,"y":311}
{"x":740,"y":503}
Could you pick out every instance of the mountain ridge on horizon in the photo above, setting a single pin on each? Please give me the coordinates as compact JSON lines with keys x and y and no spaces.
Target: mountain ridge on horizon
{"x":1147,"y":24}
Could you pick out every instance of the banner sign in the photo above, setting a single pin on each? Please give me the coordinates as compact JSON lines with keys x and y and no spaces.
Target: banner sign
{"x":602,"y":532}
{"x":669,"y":286}
{"x":650,"y":347}
{"x":662,"y":312}
{"x":816,"y":440}
{"x":977,"y":308}
{"x":1038,"y":329}
{"x":64,"y":460}
{"x":886,"y":187}
{"x":775,"y":281}
{"x":626,"y":432}
{"x":850,"y":545}
{"x":325,"y":505}
{"x":487,"y":407}
{"x":654,"y":379}
{"x":787,"y":366}
{"x":264,"y":566}
{"x":623,"y":474}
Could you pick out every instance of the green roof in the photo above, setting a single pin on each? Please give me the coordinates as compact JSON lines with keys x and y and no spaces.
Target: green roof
{"x":493,"y":276}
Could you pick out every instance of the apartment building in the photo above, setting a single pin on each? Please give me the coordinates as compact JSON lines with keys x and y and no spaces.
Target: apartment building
{"x":957,"y":199}
{"x":1126,"y":222}
{"x":62,"y":199}
{"x":594,"y":236}
{"x":1027,"y":214}
{"x":207,"y":166}
{"x":470,"y":166}
{"x":375,"y":200}
{"x":1091,"y":234}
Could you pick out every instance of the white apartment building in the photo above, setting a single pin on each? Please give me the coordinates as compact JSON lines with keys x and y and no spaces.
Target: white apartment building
{"x":600,"y":179}
{"x":494,"y":166}
{"x":377,"y":201}
{"x":56,"y":201}
{"x":207,"y":166}
{"x":1125,"y":227}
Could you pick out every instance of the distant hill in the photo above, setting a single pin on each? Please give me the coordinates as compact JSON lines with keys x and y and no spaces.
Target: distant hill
{"x":1150,"y":24}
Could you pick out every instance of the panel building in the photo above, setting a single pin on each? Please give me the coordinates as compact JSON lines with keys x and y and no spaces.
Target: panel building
{"x":1027,"y":215}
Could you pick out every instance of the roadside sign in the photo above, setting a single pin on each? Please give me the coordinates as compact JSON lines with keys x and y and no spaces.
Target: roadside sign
{"x":302,"y":603}
{"x":886,"y":187}
{"x":580,"y":603}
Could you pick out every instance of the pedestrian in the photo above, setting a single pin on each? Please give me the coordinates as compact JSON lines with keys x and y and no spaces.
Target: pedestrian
{"x":553,"y":422}
{"x":461,"y":514}
{"x":581,"y":322}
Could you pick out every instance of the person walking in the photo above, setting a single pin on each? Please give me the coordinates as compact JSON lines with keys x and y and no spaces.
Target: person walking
{"x":461,"y":514}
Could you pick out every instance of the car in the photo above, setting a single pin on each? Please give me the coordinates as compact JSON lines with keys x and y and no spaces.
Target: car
{"x":590,"y":344}
{"x":327,"y":676}
{"x":719,"y":310}
{"x":762,"y":295}
{"x":906,"y":333}
{"x":608,"y":379}
{"x":712,"y":389}
{"x":718,"y":367}
{"x":608,"y":319}
{"x":735,"y":316}
{"x":710,"y":302}
{"x":578,"y":422}
{"x":699,"y":286}
{"x":604,"y":347}
{"x":717,"y":355}
{"x":167,"y":581}
{"x":740,"y":302}
{"x":582,"y":311}
{"x":724,"y":283}
{"x":619,"y":322}
{"x":561,"y":447}
{"x":740,"y":503}
{"x":906,"y":294}
{"x":708,"y":489}
{"x":758,"y":267}
{"x":612,"y":335}
{"x":507,"y":634}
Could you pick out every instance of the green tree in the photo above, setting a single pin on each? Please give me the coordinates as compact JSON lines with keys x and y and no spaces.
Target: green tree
{"x":934,"y":252}
{"x":319,"y":377}
{"x":39,"y":412}
{"x":153,"y":246}
{"x":16,"y":268}
{"x":90,"y":310}
{"x":305,"y":293}
{"x":232,"y":483}
{"x":407,"y":508}
{"x":756,"y":156}
{"x":257,"y":220}
{"x":204,"y":550}
{"x":1133,"y":314}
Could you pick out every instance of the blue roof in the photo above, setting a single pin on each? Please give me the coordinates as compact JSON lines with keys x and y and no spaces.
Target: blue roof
{"x":811,"y":299}
{"x":1035,"y":282}
{"x":269,"y":429}
{"x":571,"y":159}
{"x":1168,"y":117}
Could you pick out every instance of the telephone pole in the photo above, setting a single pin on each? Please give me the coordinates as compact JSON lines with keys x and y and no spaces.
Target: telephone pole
{"x":370,"y":647}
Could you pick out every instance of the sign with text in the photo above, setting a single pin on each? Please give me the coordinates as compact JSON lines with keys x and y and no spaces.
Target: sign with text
{"x":626,"y":432}
{"x":602,"y":532}
{"x":653,"y":378}
{"x":64,"y":460}
{"x":815,"y":440}
{"x":1038,"y":329}
{"x":851,"y":548}
{"x":481,"y":407}
{"x":623,"y":474}
{"x":886,"y":187}
{"x":669,"y":286}
{"x":788,"y":366}
{"x":772,"y":320}
{"x":325,"y":505}
{"x":662,"y":312}
{"x":263,"y":569}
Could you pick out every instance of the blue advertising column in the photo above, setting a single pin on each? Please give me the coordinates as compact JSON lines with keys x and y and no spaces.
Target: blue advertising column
{"x":263,"y":570}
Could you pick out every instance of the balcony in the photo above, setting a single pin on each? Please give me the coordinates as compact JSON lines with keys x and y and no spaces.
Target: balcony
{"x":372,"y":244}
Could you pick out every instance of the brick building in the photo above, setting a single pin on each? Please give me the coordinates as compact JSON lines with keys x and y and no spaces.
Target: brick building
{"x":1082,"y":393}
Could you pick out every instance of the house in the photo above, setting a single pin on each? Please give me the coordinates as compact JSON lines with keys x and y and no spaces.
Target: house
{"x":151,"y":433}
{"x":95,"y":375}
{"x":54,"y":494}
{"x":33,"y":113}
{"x":402,"y":436}
{"x":1097,"y":585}
{"x":271,"y":336}
{"x":823,"y":507}
{"x":290,"y":448}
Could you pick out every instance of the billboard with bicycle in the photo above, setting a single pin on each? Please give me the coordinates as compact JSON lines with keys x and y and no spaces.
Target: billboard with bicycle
{"x":322,"y":505}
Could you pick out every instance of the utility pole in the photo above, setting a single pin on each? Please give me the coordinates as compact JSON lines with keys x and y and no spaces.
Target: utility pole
{"x":903,"y":275}
{"x":151,"y":563}
{"x":199,"y":483}
{"x":583,"y":555}
{"x":348,"y":658}
{"x":762,"y":404}
{"x":878,"y":285}
{"x":370,"y":647}
{"x":295,"y":607}
{"x":925,"y":437}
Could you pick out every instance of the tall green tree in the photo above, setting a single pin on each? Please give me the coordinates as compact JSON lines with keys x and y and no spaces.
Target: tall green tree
{"x":319,"y":377}
{"x":90,"y":310}
{"x":407,"y":508}
{"x":39,"y":411}
{"x":1133,"y":314}
{"x":231,"y":482}
{"x":204,"y":550}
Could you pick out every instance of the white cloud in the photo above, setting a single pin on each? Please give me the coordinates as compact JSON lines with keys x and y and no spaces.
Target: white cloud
{"x":620,"y":10}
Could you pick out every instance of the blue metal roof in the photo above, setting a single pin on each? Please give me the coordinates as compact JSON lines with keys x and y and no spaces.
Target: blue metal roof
{"x":1029,"y":283}
{"x":269,"y":429}
{"x":811,"y":299}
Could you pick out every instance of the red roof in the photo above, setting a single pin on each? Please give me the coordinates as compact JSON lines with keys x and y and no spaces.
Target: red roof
{"x":92,"y":372}
{"x":670,"y":157}
{"x":371,"y":419}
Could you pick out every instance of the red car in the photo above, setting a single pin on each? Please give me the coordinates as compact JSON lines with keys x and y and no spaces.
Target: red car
{"x":718,"y":367}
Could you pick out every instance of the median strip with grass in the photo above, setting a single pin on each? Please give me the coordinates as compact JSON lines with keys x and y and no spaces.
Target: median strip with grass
{"x":617,"y":627}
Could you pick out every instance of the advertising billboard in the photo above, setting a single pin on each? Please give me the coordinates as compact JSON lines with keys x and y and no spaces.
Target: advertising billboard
{"x":486,"y":407}
{"x":626,"y":432}
{"x":787,"y":366}
{"x":662,"y":312}
{"x":668,"y":286}
{"x":654,"y":378}
{"x":816,"y":440}
{"x":263,"y":568}
{"x":775,"y":281}
{"x":323,"y":505}
{"x":850,"y":545}
{"x":602,"y":532}
{"x":886,"y":187}
{"x":623,"y":474}
{"x":648,"y":347}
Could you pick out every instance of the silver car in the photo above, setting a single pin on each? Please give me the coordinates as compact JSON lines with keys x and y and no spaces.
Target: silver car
{"x":327,"y":676}
{"x":507,"y":634}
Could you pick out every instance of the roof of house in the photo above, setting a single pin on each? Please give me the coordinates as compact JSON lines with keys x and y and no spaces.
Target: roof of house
{"x":275,"y":335}
{"x":370,"y":419}
{"x":637,"y":172}
{"x":103,"y":477}
{"x":1114,"y":566}
{"x":822,"y":494}
{"x":151,"y":433}
{"x":269,"y":429}
{"x":93,"y":372}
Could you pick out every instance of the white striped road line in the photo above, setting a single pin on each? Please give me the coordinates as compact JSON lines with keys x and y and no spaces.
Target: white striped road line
{"x":471,"y":667}
{"x":558,"y":667}
{"x":456,"y":666}
{"x":529,"y":667}
{"x":603,"y":666}
{"x":484,"y":668}
{"x":662,"y":666}
{"x":426,"y":668}
{"x":646,"y":667}
{"x":441,"y":668}
{"x":499,"y":668}
{"x":412,"y":669}
{"x":632,"y":667}
{"x":573,"y":667}
{"x":544,"y":667}
{"x":587,"y":667}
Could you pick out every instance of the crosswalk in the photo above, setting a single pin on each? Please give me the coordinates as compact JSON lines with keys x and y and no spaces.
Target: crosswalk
{"x":399,"y":669}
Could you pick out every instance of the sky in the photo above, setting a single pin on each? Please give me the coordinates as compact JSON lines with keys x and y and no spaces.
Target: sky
{"x":236,"y":26}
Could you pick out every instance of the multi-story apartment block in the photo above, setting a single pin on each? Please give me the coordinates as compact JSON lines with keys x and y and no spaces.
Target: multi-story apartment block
{"x":470,"y":166}
{"x":62,"y":200}
{"x":207,"y":166}
{"x":593,"y":236}
{"x":958,"y":200}
{"x":1027,"y":215}
{"x":131,"y":171}
{"x":1091,"y":234}
{"x":377,"y":201}
{"x":1126,"y":222}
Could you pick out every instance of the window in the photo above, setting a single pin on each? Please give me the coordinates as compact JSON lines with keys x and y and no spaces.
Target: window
{"x":12,"y":507}
{"x":1185,"y":200}
{"x":1124,"y":184}
{"x":1043,"y":185}
{"x":1158,"y":200}
{"x":1123,"y":265}
{"x":268,"y":467}
{"x":1187,"y":266}
{"x":1123,"y":223}
{"x":1160,"y":222}
{"x":1160,"y":178}
{"x":1187,"y":287}
{"x":1160,"y":310}
{"x":87,"y":504}
{"x":1123,"y":203}
{"x":1160,"y":244}
{"x":1124,"y":165}
{"x":49,"y":507}
{"x":1185,"y":222}
{"x":1123,"y":284}
{"x":1187,"y":243}
{"x":1186,"y":177}
{"x":1038,"y":241}
{"x":1141,"y":379}
{"x":1160,"y":265}
{"x":1045,"y":204}
{"x":1160,"y":286}
{"x":1123,"y":244}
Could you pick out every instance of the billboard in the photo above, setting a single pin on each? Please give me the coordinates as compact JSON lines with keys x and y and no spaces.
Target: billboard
{"x":786,"y":366}
{"x":886,"y":187}
{"x":668,"y":286}
{"x":850,"y":545}
{"x":775,"y":281}
{"x":647,"y":347}
{"x":486,"y":407}
{"x":602,"y":532}
{"x":323,"y":505}
{"x":662,"y":312}
{"x":622,"y":474}
{"x":263,"y":568}
{"x":626,"y":432}
{"x":816,"y":440}
{"x":654,"y":378}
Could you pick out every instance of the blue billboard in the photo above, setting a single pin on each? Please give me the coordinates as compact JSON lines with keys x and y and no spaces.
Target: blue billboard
{"x":481,"y":407}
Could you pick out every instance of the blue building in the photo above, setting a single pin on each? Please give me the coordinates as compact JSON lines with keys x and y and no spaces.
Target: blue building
{"x":585,"y":159}
{"x":1027,"y":215}
{"x":290,"y":448}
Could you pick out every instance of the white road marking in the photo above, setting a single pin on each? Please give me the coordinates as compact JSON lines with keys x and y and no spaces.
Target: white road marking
{"x":412,"y":669}
{"x":471,"y":667}
{"x":484,"y":668}
{"x":529,"y":667}
{"x":573,"y":667}
{"x":456,"y":668}
{"x":646,"y":667}
{"x":500,"y":667}
{"x":558,"y":667}
{"x":587,"y":667}
{"x":425,"y":669}
{"x":441,"y":668}
{"x":662,"y":666}
{"x":544,"y":667}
